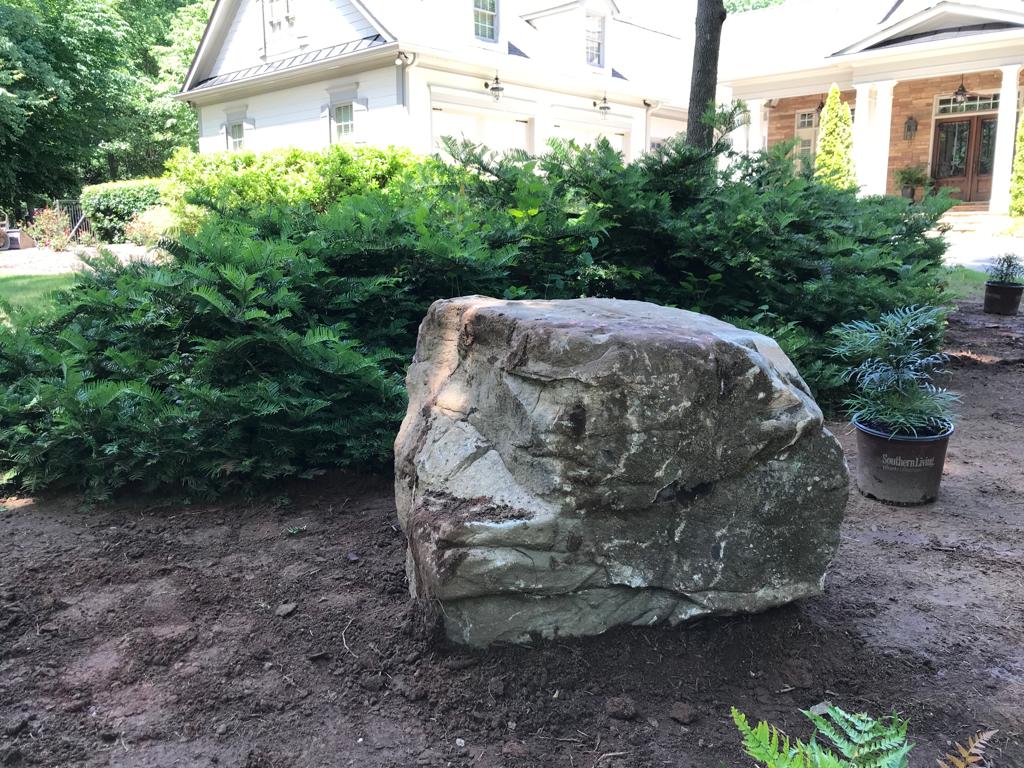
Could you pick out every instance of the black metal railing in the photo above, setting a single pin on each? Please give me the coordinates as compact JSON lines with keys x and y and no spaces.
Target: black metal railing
{"x":73,"y":210}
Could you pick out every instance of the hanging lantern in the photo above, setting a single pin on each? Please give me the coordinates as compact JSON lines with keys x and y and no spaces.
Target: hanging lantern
{"x":495,"y":87}
{"x":961,"y":94}
{"x":603,"y":106}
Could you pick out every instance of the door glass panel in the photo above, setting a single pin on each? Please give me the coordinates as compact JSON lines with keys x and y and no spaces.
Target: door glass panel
{"x":987,"y":148}
{"x":952,"y":142}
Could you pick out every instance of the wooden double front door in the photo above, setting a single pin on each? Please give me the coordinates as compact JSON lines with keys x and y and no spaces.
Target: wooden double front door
{"x":963,"y":156}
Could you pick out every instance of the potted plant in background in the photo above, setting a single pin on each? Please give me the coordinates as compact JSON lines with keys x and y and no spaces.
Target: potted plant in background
{"x":910,"y":178}
{"x":1005,"y":285}
{"x":903,"y":420}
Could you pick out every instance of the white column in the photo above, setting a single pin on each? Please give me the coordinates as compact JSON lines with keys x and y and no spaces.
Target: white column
{"x":755,"y":126}
{"x":878,"y":164}
{"x":862,"y":138}
{"x":1006,"y":128}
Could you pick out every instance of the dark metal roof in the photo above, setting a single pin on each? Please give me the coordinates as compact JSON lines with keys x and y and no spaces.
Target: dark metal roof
{"x":298,"y":60}
{"x":944,"y":34}
{"x":515,"y":50}
{"x":619,"y":75}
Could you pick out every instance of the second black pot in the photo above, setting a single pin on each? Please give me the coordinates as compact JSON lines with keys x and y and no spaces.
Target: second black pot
{"x":1003,"y":298}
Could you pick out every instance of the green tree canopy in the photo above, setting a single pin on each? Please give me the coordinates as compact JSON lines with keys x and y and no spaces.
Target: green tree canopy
{"x":833,"y":164}
{"x":738,"y":6}
{"x":85,"y":92}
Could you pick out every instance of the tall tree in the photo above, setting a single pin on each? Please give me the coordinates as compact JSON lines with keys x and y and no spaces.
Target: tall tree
{"x":704,"y":81}
{"x":833,"y":165}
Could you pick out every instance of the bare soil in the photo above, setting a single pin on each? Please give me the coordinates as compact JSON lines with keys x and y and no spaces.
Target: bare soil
{"x":277,"y":632}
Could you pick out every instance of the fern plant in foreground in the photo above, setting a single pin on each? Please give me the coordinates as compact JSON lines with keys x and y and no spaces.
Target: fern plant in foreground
{"x":892,"y":364}
{"x":862,"y":740}
{"x":856,"y":741}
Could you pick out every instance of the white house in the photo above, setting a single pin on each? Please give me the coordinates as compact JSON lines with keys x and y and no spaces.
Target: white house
{"x":507,"y":73}
{"x":933,"y":83}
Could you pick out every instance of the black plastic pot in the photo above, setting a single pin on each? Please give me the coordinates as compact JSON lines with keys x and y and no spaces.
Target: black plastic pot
{"x":1003,"y":298}
{"x":899,"y":469}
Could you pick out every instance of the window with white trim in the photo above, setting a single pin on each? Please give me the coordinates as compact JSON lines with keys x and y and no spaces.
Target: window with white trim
{"x":236,"y":135}
{"x":485,"y":19}
{"x":977,"y":102}
{"x":806,"y":133}
{"x":344,"y":121}
{"x":595,"y":39}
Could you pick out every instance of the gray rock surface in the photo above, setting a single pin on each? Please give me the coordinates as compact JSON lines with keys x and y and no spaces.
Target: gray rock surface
{"x":569,"y":466}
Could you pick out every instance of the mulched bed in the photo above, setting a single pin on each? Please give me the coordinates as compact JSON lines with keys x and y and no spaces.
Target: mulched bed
{"x":277,"y":632}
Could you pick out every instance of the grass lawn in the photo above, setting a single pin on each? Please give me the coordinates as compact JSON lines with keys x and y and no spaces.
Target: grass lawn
{"x":965,"y":283}
{"x":22,"y":290}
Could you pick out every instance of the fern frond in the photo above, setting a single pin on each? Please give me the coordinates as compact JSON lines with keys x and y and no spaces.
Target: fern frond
{"x":972,"y":754}
{"x":863,"y":740}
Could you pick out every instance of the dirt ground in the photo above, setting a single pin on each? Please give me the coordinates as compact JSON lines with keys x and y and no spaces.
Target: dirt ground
{"x":276,"y":633}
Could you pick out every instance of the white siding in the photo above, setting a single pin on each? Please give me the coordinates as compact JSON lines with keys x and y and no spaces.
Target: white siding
{"x":662,"y":128}
{"x":299,"y":117}
{"x":445,"y":103}
{"x":318,"y":24}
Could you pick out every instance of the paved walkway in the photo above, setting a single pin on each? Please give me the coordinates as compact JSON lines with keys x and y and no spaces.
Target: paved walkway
{"x":43,"y":261}
{"x":977,"y":250}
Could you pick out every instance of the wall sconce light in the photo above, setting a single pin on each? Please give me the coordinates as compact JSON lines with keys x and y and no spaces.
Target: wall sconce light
{"x":495,"y":87}
{"x":603,"y":106}
{"x":821,"y":105}
{"x":401,"y":58}
{"x":910,"y":129}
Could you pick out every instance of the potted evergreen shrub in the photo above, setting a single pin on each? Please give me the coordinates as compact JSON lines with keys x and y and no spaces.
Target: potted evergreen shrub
{"x":1005,"y":285}
{"x":903,"y":420}
{"x":910,"y":178}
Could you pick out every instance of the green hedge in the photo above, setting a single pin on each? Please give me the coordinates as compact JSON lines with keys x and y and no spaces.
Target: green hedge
{"x":244,"y":183}
{"x":110,"y":207}
{"x":275,"y":341}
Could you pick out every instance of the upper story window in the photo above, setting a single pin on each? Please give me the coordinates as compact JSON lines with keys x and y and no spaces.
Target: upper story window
{"x":280,"y":14}
{"x":595,"y":40}
{"x":485,"y":19}
{"x":283,"y":33}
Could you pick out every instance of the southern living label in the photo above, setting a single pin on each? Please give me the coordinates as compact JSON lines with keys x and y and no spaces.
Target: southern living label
{"x":902,"y":462}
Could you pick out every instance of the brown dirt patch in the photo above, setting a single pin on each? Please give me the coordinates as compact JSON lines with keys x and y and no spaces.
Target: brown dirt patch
{"x":145,"y":635}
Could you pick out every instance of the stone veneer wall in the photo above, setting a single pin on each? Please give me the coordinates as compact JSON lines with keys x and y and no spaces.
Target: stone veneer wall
{"x":910,"y":98}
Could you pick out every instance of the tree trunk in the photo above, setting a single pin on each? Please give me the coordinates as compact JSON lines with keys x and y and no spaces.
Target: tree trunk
{"x":710,"y":16}
{"x":112,"y":166}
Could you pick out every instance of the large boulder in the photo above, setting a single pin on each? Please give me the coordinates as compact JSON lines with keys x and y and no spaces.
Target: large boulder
{"x":568,"y":466}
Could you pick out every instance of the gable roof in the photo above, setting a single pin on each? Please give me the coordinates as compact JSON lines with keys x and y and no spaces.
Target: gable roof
{"x":536,"y":10}
{"x":943,"y":20}
{"x":804,"y":35}
{"x":221,"y":16}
